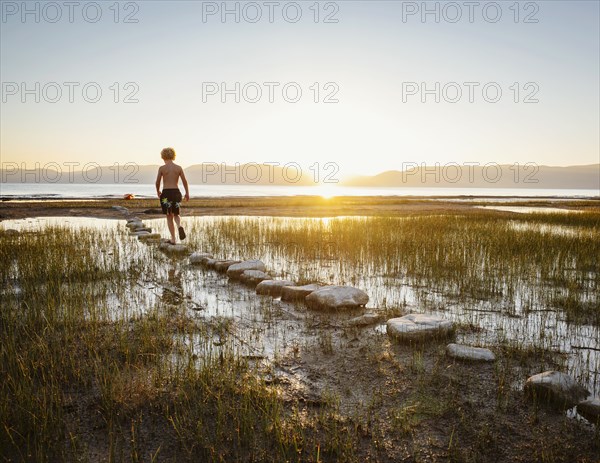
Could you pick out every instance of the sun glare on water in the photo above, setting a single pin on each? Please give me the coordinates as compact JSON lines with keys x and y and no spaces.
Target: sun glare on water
{"x":326,"y":190}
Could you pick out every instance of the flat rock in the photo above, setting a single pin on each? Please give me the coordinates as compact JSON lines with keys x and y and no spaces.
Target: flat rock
{"x":174,"y":248}
{"x":149,"y":236}
{"x":210,"y":263}
{"x":133,"y":219}
{"x":555,"y":387}
{"x":200,"y":257}
{"x":139,"y":233}
{"x":477,"y":354}
{"x":135,"y":224}
{"x":141,"y":229}
{"x":222,"y":265}
{"x":237,"y":269}
{"x":272,"y":287}
{"x":365,"y":320}
{"x":416,"y":327}
{"x":337,"y":297}
{"x":590,"y":410}
{"x":253,"y":277}
{"x":297,"y":293}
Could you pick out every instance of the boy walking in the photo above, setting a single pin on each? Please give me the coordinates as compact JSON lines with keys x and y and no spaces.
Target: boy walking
{"x":170,"y":197}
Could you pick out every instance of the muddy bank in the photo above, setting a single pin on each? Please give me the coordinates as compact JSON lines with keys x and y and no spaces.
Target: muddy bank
{"x":295,"y":206}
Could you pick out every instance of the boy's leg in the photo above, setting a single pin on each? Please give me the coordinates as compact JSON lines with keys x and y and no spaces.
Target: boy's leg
{"x":179,"y":227}
{"x":171,"y":226}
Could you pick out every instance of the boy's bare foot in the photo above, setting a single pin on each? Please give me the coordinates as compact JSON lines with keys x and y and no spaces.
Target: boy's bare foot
{"x":181,"y":233}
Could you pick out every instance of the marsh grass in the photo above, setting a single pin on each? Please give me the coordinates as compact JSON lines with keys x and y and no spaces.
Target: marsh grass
{"x":94,"y":365}
{"x":81,"y":378}
{"x":533,"y":284}
{"x":478,"y":256}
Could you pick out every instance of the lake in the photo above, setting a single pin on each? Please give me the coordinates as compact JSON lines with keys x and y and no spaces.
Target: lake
{"x":92,"y":190}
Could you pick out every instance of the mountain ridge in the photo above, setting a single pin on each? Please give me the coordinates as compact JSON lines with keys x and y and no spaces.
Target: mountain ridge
{"x":490,"y":175}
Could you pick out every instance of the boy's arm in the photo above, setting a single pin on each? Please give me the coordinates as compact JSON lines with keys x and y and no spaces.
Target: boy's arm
{"x":185,"y":185}
{"x":158,"y":178}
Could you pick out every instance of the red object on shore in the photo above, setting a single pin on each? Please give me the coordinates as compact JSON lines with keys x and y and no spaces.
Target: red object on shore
{"x":128,"y":196}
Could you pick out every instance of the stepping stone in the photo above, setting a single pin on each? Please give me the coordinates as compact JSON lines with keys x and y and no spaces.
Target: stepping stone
{"x":149,"y":237}
{"x":297,"y":293}
{"x":221,"y":266}
{"x":200,"y":257}
{"x":556,"y":388}
{"x":135,"y":225}
{"x":462,"y":352}
{"x":237,"y":269}
{"x":590,"y":410}
{"x":365,"y":320}
{"x":418,"y":327}
{"x":253,"y":277}
{"x":141,"y":229}
{"x":139,"y":233}
{"x":210,"y":263}
{"x":272,"y":287}
{"x":173,"y":248}
{"x":134,"y":219}
{"x":337,"y":297}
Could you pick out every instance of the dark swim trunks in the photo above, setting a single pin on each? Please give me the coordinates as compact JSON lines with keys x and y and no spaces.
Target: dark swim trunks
{"x":169,"y":201}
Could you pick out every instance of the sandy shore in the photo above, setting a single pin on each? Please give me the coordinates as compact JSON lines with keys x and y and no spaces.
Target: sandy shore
{"x":295,"y":206}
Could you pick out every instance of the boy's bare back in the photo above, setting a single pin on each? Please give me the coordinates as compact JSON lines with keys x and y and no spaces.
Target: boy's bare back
{"x":170,"y":174}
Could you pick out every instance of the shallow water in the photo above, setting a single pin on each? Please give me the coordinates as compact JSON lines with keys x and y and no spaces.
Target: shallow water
{"x":530,"y":209}
{"x":37,"y":223}
{"x":265,"y":327}
{"x":565,"y":230}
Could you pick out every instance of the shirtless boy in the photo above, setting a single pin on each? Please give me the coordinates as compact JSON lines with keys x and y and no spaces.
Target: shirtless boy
{"x":170,"y":197}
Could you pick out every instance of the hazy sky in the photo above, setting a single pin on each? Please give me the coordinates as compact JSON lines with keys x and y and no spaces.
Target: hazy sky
{"x":376,"y":60}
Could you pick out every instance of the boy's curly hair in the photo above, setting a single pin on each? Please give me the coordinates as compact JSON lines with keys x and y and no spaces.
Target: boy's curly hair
{"x":168,"y":153}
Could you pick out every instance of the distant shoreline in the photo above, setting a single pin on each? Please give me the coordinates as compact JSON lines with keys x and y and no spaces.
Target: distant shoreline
{"x":283,"y":206}
{"x":459,"y":197}
{"x":86,"y":192}
{"x":20,"y":192}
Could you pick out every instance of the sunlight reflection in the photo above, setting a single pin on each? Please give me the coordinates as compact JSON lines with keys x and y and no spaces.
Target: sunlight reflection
{"x":326,"y":190}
